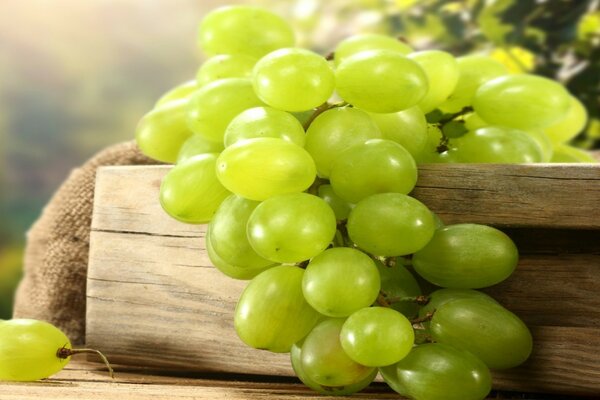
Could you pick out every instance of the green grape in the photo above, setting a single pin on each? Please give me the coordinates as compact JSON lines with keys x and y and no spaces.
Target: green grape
{"x":260,"y":168}
{"x":291,"y":228}
{"x":474,"y":121}
{"x":467,"y":256}
{"x":543,"y":142}
{"x":397,"y":283}
{"x":264,"y":122}
{"x":368,"y":41}
{"x":341,"y":208}
{"x":473,"y":71}
{"x":293,"y":79}
{"x":390,"y":224}
{"x":225,"y":66}
{"x":325,"y":362}
{"x":568,"y":154}
{"x":179,"y":92}
{"x":437,"y":371}
{"x":228,"y":233}
{"x":191,"y":192}
{"x":441,"y":296}
{"x":196,"y":145}
{"x":272,"y":313}
{"x":335,"y":297}
{"x":377,"y":336}
{"x":496,"y":144}
{"x":408,"y":128}
{"x":484,"y":328}
{"x":372,"y":80}
{"x":376,"y":166}
{"x":334,"y":131}
{"x":522,"y":101}
{"x":214,"y":105}
{"x":161,"y":133}
{"x":569,"y":126}
{"x":440,"y":67}
{"x":345,"y":390}
{"x":248,"y":30}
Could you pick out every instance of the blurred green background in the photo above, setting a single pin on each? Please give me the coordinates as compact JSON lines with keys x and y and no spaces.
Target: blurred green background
{"x":75,"y":76}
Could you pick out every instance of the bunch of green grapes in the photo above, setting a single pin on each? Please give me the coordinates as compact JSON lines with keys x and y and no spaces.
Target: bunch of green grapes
{"x":302,"y":166}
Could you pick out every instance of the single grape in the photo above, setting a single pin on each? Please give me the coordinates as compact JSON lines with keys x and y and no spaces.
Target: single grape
{"x":368,"y":41}
{"x":398,"y":283}
{"x":467,"y":256}
{"x":293,"y":79}
{"x":225,"y":66}
{"x":442,"y":71}
{"x":196,"y":145}
{"x":252,"y":31}
{"x":179,"y":92}
{"x":441,"y":296}
{"x":272,"y":313}
{"x":341,"y":208}
{"x":569,"y":126}
{"x":260,"y":168}
{"x":291,"y":228}
{"x":335,"y":297}
{"x":408,"y":128}
{"x":568,"y":154}
{"x":390,"y":224}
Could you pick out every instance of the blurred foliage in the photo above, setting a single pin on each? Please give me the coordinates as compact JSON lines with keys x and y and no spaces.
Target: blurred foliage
{"x":10,"y":273}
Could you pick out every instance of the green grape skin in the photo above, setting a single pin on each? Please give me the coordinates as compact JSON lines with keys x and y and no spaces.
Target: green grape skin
{"x":441,"y":296}
{"x":474,"y":121}
{"x":191,"y":192}
{"x":543,"y":142}
{"x":225,"y":66}
{"x":214,"y":105}
{"x":371,"y":81}
{"x":196,"y":145}
{"x":484,"y":328}
{"x":325,"y":362}
{"x":376,"y":166}
{"x":291,"y":228}
{"x":397,"y":282}
{"x":264,"y":167}
{"x":28,"y":350}
{"x":252,"y":31}
{"x":568,"y":154}
{"x":568,"y":127}
{"x":335,"y":130}
{"x":440,"y":67}
{"x":390,"y":224}
{"x":272,"y":313}
{"x":179,"y":92}
{"x":408,"y":128}
{"x":161,"y":132}
{"x":368,"y":41}
{"x":432,"y":372}
{"x":522,"y":102}
{"x":296,"y":357}
{"x":341,"y":208}
{"x":264,"y":122}
{"x":335,"y":297}
{"x":377,"y":336}
{"x":293,"y":79}
{"x":467,"y":256}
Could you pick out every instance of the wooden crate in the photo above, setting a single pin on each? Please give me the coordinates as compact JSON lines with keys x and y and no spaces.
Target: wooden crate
{"x":153,"y":298}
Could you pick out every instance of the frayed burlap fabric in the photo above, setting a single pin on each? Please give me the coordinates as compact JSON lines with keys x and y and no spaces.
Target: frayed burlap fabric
{"x":56,"y":255}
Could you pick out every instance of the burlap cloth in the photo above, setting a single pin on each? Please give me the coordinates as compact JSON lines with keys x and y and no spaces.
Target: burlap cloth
{"x":56,"y":256}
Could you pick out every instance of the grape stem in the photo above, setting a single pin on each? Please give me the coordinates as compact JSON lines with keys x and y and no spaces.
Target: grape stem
{"x":420,"y":300}
{"x":443,"y":146}
{"x":425,"y":318}
{"x":321,"y":109}
{"x":65,"y":352}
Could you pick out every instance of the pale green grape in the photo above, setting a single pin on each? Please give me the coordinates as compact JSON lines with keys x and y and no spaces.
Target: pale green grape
{"x":324,"y":361}
{"x":381,"y":81}
{"x":28,"y":350}
{"x":408,"y":128}
{"x":214,"y":105}
{"x":182,"y":91}
{"x":225,"y":66}
{"x":260,"y":168}
{"x":543,"y":142}
{"x":390,"y":224}
{"x":437,"y":371}
{"x":377,"y":336}
{"x":441,"y":296}
{"x":293,"y":79}
{"x":376,"y":166}
{"x":264,"y":122}
{"x":467,"y":256}
{"x":191,"y":192}
{"x":248,"y":30}
{"x":272,"y":313}
{"x":569,"y":126}
{"x":341,"y":208}
{"x":442,"y":72}
{"x":161,"y":133}
{"x":335,"y":297}
{"x":291,"y":228}
{"x":196,"y":145}
{"x":334,"y":131}
{"x":568,"y":154}
{"x":397,"y":282}
{"x":485,"y":328}
{"x":522,"y":101}
{"x":368,"y":41}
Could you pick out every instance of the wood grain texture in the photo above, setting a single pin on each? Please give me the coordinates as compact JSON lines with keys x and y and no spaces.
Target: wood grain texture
{"x":154,"y":299}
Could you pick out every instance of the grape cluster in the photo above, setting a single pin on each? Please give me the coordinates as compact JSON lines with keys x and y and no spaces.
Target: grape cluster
{"x":302,"y":167}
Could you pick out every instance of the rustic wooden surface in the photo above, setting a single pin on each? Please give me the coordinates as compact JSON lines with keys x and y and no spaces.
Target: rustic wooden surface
{"x":154,"y":299}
